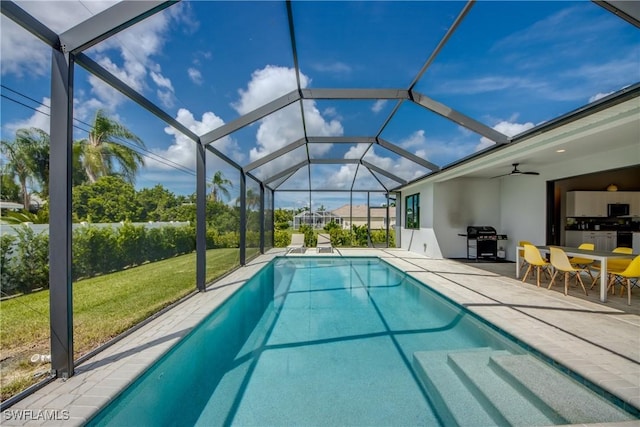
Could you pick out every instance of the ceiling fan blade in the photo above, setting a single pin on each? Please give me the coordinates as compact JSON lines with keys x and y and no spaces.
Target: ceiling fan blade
{"x":499,"y":176}
{"x":530,"y":173}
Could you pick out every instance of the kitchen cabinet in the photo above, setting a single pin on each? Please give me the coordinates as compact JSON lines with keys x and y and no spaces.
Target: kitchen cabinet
{"x":636,"y":243}
{"x":594,"y":203}
{"x":586,"y":204}
{"x":573,"y":238}
{"x":634,"y":204}
{"x":603,"y":240}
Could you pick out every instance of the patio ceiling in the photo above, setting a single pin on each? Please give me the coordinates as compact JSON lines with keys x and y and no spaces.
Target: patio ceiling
{"x":416,"y":48}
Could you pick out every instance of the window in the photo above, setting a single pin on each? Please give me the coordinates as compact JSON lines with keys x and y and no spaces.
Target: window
{"x":412,"y":211}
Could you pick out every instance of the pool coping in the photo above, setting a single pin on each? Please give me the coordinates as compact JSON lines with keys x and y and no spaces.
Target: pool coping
{"x":535,"y":317}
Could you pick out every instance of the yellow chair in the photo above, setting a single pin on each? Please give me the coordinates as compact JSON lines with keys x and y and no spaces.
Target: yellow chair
{"x":534,"y":259}
{"x":613,"y":264}
{"x":632,"y":271}
{"x":584,"y":263}
{"x":560,"y":262}
{"x":521,"y":253}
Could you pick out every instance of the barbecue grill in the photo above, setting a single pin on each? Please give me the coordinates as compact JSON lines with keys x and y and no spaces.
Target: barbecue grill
{"x":482,"y":242}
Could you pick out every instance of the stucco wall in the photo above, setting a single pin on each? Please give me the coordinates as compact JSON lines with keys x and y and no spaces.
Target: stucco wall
{"x":515,"y":205}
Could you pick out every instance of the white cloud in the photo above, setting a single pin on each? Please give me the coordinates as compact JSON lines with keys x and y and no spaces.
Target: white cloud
{"x":507,"y":128}
{"x":161,"y":81}
{"x":195,"y":75}
{"x":183,"y":149}
{"x":401,"y":167}
{"x":266,"y":85}
{"x":598,"y":96}
{"x":39,"y":119}
{"x":333,"y":67}
{"x":22,"y":53}
{"x":379,"y":105}
{"x":284,"y":126}
{"x":416,"y":139}
{"x":133,"y":62}
{"x":167,"y":98}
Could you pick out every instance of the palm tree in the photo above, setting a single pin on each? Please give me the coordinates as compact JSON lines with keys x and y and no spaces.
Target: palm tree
{"x":28,"y":159}
{"x":253,"y":198}
{"x":105,"y":152}
{"x":218,"y":186}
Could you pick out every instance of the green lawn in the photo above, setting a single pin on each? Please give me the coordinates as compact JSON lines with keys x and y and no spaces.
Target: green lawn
{"x":103,"y":307}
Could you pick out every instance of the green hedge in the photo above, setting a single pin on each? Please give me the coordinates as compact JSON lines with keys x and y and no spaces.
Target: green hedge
{"x":357,"y":236}
{"x":24,"y":261}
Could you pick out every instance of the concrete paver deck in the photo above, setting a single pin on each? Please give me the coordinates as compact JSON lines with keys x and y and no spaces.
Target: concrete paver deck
{"x":600,"y":343}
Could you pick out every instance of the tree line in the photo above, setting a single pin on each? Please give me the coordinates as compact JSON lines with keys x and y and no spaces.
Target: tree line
{"x":105,"y":165}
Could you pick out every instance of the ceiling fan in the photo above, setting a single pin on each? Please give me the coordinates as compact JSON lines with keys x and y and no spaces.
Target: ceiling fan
{"x":517,"y":171}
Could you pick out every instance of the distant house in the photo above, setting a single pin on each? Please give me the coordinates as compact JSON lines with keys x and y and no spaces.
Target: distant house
{"x":316,"y":219}
{"x":10,"y":205}
{"x":357,"y":215}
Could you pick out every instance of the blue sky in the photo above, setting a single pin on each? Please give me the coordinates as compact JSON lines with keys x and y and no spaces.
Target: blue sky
{"x":510,"y":65}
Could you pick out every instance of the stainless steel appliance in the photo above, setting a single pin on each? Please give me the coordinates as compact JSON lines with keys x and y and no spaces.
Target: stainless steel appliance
{"x":482,"y":242}
{"x":625,"y":239}
{"x":617,"y":209}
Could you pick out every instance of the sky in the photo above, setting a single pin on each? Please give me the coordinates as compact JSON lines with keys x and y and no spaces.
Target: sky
{"x":509,"y":65}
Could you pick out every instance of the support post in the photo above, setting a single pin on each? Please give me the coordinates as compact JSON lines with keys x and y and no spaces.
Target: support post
{"x":273,"y":213}
{"x":262,"y":218}
{"x":60,"y":230}
{"x":201,"y":217}
{"x":387,"y":211}
{"x":369,"y":244}
{"x":243,"y":218}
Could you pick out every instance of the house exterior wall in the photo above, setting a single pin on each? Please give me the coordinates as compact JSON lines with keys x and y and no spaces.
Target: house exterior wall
{"x":515,"y":206}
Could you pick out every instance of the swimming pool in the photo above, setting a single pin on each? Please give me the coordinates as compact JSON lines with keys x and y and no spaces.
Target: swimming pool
{"x":349,"y":341}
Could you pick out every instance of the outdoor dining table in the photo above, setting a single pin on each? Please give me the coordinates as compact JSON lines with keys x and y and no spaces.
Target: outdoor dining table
{"x":600,"y":256}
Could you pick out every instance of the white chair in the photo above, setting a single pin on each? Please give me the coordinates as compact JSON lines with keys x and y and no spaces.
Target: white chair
{"x":324,"y":243}
{"x":297,"y":243}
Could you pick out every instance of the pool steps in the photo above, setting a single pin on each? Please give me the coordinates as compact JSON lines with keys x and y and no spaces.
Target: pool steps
{"x":483,"y":386}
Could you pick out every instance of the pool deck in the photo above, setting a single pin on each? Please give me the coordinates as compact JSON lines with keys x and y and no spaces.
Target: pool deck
{"x":599,"y":342}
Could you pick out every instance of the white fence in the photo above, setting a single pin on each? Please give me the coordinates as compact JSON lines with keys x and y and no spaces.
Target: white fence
{"x":10,"y":229}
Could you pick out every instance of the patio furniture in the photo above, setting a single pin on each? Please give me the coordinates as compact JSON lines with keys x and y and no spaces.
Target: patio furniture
{"x":521,"y":253}
{"x":603,"y":257}
{"x":632,"y":271}
{"x":533,"y":257}
{"x":584,"y":263}
{"x":297,"y":243}
{"x":324,"y":243}
{"x":560,"y":262}
{"x":614,"y":264}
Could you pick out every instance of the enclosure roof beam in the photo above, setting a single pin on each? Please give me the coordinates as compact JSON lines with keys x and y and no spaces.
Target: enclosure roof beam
{"x":337,"y":190}
{"x":223,"y":156}
{"x":286,"y":172}
{"x":275,"y":154}
{"x":459,"y":118}
{"x":383,"y":172}
{"x":334,"y":161}
{"x":627,"y":10}
{"x":341,"y":139}
{"x":110,"y":21}
{"x":404,"y":153}
{"x":354,"y":93}
{"x":29,"y":23}
{"x":250,"y":117}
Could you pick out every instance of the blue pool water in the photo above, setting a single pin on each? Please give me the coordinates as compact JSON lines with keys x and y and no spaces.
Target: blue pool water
{"x":334,"y":341}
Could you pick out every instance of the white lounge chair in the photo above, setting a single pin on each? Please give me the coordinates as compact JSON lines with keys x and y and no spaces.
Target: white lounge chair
{"x":297,"y":243}
{"x":324,"y":243}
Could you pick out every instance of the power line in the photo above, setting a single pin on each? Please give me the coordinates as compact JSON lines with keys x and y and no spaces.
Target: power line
{"x":141,"y":150}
